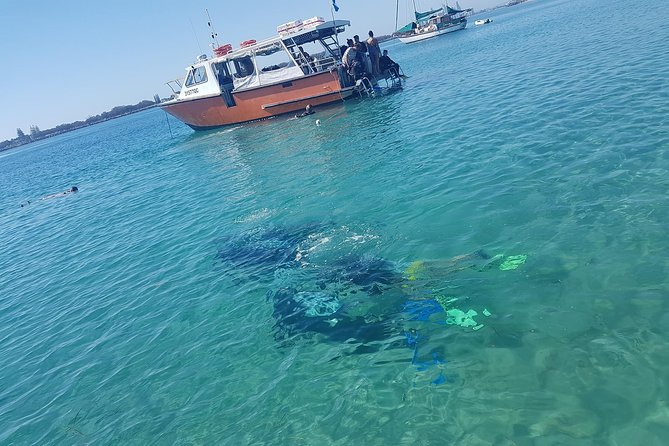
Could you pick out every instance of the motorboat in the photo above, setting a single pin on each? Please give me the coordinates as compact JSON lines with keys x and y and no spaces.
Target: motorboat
{"x":261,"y":79}
{"x":482,"y":22}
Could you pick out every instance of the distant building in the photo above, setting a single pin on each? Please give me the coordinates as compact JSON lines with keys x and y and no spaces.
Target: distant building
{"x":156,"y":99}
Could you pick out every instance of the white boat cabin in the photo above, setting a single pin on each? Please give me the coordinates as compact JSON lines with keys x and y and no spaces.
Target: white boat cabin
{"x":258,"y":64}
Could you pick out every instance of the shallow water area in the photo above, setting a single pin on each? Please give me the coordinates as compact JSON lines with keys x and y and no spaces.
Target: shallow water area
{"x":287,"y":283}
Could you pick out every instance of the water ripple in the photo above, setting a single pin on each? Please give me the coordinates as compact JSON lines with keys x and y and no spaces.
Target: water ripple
{"x":119,"y":324}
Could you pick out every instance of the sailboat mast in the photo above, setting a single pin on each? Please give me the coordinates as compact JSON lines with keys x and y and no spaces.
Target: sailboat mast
{"x":397,"y":13}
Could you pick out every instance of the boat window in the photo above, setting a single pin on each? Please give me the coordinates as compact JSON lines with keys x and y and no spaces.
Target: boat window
{"x":269,"y":50}
{"x":196,"y":76}
{"x":272,"y":57}
{"x":244,"y":66}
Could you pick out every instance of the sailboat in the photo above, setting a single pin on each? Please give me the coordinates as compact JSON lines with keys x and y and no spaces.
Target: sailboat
{"x":433,"y":23}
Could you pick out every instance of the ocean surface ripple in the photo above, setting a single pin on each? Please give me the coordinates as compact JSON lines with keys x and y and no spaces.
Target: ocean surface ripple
{"x":255,"y":284}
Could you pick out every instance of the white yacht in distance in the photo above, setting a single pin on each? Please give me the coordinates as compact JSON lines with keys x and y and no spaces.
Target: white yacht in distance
{"x":433,"y":23}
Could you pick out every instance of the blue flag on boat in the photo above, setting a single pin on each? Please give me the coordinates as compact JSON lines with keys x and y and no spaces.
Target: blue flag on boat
{"x":334,"y":5}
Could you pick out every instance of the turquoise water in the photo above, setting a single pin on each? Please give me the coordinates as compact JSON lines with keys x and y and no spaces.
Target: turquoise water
{"x":146,"y":309}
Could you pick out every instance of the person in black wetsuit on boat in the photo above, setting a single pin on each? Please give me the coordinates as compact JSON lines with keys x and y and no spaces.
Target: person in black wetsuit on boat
{"x":385,"y":62}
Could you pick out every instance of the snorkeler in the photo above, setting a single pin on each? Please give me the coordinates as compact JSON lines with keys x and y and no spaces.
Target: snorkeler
{"x":350,"y":298}
{"x":71,"y":190}
{"x":307,"y":111}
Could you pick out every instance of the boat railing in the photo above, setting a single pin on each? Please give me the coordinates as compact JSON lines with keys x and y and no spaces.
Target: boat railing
{"x":364,"y":85}
{"x":324,"y":64}
{"x":458,"y":16}
{"x":175,"y":85}
{"x":316,"y":65}
{"x":392,"y":76}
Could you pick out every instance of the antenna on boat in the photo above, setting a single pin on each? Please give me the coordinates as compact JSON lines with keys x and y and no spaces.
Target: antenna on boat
{"x":199,"y":47}
{"x":214,"y":34}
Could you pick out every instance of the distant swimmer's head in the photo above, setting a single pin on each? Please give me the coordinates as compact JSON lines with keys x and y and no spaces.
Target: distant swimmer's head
{"x":74,"y":189}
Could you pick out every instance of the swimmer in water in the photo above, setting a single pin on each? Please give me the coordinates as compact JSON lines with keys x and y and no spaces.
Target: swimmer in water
{"x":307,"y":111}
{"x":71,"y":190}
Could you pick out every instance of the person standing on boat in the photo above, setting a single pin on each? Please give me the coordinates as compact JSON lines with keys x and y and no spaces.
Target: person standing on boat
{"x":307,"y":58}
{"x":350,"y":54}
{"x":362,"y":62}
{"x":354,"y":66}
{"x":362,"y":46}
{"x":374,"y":53}
{"x":342,"y":50}
{"x":362,"y":54}
{"x":353,"y":60}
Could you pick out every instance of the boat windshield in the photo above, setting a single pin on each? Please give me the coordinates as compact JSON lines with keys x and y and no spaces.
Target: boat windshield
{"x":272,"y":57}
{"x":269,"y":49}
{"x":262,"y":65}
{"x":196,"y":75}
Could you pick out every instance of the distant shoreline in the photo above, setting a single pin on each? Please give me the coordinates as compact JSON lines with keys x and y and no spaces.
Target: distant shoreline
{"x":116,"y":112}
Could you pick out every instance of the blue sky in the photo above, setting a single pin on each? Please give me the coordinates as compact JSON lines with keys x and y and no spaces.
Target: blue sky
{"x":66,"y":61}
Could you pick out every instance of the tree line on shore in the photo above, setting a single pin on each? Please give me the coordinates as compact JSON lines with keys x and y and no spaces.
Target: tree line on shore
{"x":35,"y":134}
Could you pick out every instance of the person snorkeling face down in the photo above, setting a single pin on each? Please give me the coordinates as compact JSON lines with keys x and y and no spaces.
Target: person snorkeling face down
{"x":71,"y":190}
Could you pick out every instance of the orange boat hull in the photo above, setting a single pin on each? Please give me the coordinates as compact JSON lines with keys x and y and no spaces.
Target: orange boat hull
{"x":260,"y":103}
